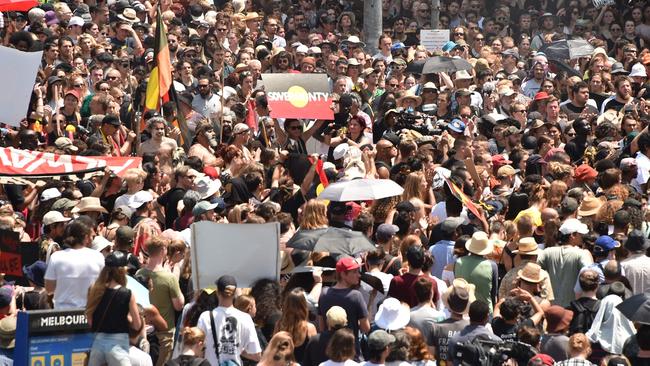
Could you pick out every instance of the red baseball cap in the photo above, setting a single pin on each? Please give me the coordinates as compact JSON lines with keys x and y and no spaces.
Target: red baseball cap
{"x":499,"y":161}
{"x":584,"y":173}
{"x":74,"y":93}
{"x":541,"y":96}
{"x":541,"y":360}
{"x":347,"y":264}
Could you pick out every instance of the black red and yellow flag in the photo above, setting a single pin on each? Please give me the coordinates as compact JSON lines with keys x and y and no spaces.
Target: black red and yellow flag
{"x":464,"y":199}
{"x":305,"y":96}
{"x":160,"y":78}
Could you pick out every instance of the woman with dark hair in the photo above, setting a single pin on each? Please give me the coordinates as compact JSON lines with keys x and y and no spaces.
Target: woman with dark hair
{"x":110,"y":304}
{"x":341,"y":349}
{"x":267,"y":298}
{"x":294,"y":320}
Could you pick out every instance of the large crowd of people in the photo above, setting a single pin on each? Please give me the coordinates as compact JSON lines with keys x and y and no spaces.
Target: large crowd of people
{"x":522,"y":227}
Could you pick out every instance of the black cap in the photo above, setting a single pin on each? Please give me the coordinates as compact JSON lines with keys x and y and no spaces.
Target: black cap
{"x":111,"y":120}
{"x":116,"y":259}
{"x":124,"y":234}
{"x":405,"y":206}
{"x":105,"y":57}
{"x":226,"y":285}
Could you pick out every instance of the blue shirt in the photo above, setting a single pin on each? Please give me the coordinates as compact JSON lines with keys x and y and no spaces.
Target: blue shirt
{"x":443,"y":254}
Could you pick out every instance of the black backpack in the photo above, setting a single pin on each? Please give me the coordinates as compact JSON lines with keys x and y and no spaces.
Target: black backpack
{"x":582,"y":317}
{"x":196,"y":361}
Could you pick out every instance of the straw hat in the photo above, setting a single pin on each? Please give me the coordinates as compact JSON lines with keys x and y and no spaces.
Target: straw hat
{"x":392,"y":315}
{"x":589,"y":206}
{"x":89,"y":204}
{"x":459,"y":296}
{"x":252,"y":16}
{"x":479,"y":244}
{"x":532,"y":272}
{"x":527,"y":246}
{"x":354,"y":40}
{"x":409,"y":95}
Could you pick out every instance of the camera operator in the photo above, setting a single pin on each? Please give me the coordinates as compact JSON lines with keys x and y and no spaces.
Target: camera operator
{"x":479,"y":314}
{"x":354,"y":134}
{"x":429,"y":98}
{"x":385,"y":125}
{"x":510,"y":314}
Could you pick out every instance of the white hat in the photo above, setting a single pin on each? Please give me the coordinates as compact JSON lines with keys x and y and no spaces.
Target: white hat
{"x":140,"y":198}
{"x":100,"y":243}
{"x":65,"y":143}
{"x":340,"y":151}
{"x":50,"y":193}
{"x":570,"y":226}
{"x":392,"y":315}
{"x":463,"y":75}
{"x":76,"y":21}
{"x":53,"y":217}
{"x":206,"y":186}
{"x":638,"y":70}
{"x":302,"y":49}
{"x":314,"y":49}
{"x":479,"y":244}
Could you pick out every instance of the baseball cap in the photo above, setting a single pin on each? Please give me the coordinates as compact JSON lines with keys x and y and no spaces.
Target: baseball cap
{"x":570,"y":226}
{"x":500,"y":160}
{"x":448,"y":46}
{"x":380,"y":339}
{"x":336,"y":317}
{"x":140,"y":198}
{"x":65,"y":143}
{"x":53,"y":217}
{"x":227,"y":285}
{"x":347,"y":264}
{"x":605,"y":243}
{"x":386,"y":231}
{"x":124,"y":234}
{"x":541,"y":359}
{"x":203,"y":207}
{"x":627,"y":163}
{"x":63,"y":204}
{"x":78,"y":21}
{"x":111,"y":120}
{"x":450,"y":224}
{"x":116,"y":259}
{"x":511,"y":52}
{"x":100,"y":243}
{"x":456,"y":125}
{"x":6,"y":295}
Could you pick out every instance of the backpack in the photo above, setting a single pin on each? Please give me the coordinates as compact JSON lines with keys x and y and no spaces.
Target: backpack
{"x":582,"y":317}
{"x":196,"y":361}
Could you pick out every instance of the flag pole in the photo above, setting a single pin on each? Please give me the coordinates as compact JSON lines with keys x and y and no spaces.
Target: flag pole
{"x":223,"y":73}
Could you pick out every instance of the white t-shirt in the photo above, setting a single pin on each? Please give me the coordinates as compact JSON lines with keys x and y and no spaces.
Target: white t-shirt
{"x":346,"y":363}
{"x":74,"y":271}
{"x":138,"y":357}
{"x":643,"y":169}
{"x":236,"y":333}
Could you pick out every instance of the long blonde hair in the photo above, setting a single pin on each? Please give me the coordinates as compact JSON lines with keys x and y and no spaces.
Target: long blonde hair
{"x":413,"y":187}
{"x":96,"y":292}
{"x":314,"y":215}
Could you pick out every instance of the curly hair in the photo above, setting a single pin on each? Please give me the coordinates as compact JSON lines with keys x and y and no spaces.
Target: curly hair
{"x":267,"y":300}
{"x":418,"y":350}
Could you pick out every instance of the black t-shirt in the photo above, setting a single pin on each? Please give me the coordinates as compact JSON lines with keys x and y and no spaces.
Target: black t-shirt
{"x":576,"y":150}
{"x":110,"y":316}
{"x":572,"y":111}
{"x":508,"y":332}
{"x":185,"y":360}
{"x":349,"y":299}
{"x":441,"y":333}
{"x":613,"y":104}
{"x":169,"y":200}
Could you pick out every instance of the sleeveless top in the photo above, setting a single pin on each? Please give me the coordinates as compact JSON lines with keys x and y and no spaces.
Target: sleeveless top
{"x":110,"y":316}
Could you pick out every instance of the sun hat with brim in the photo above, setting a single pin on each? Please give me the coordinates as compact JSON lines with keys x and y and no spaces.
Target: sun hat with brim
{"x":8,"y":332}
{"x":638,"y":70}
{"x":462,"y":75}
{"x":618,"y":69}
{"x":252,"y":16}
{"x":527,"y":246}
{"x":206,"y":186}
{"x":89,"y":204}
{"x":392,"y":315}
{"x":479,"y":244}
{"x":353,"y":40}
{"x":532,"y":272}
{"x":589,"y":206}
{"x":571,"y":226}
{"x":54,"y":217}
{"x":557,"y":318}
{"x":100,"y":243}
{"x":448,"y":46}
{"x":35,"y":272}
{"x":459,"y":296}
{"x":128,"y":15}
{"x":409,"y":95}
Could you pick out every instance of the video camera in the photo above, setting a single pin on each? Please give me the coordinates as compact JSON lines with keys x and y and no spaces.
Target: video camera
{"x":423,"y":124}
{"x":492,"y":353}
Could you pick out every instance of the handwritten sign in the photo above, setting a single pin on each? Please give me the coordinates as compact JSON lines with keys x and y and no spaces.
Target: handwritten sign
{"x":434,"y":39}
{"x":14,"y":255}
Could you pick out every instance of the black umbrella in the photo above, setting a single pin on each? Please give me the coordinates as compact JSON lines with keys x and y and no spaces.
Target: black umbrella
{"x":567,"y":49}
{"x":373,"y":282}
{"x":438,"y":64}
{"x":332,"y":240}
{"x":636,"y":308}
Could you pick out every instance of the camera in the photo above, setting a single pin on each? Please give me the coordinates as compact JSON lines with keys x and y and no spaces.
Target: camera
{"x":492,"y":353}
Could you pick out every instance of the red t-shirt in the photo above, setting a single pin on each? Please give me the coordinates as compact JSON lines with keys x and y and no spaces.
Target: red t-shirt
{"x":401,"y":288}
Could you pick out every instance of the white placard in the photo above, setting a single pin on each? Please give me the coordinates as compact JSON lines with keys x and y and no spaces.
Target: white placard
{"x":434,"y":39}
{"x":18,"y":73}
{"x":247,"y":252}
{"x":601,"y":3}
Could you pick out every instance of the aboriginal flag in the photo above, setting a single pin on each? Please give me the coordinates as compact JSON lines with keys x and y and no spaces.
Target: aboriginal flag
{"x":160,"y":78}
{"x":305,"y":96}
{"x":464,"y":199}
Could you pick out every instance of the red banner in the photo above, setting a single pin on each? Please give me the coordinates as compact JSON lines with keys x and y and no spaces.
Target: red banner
{"x":27,"y":163}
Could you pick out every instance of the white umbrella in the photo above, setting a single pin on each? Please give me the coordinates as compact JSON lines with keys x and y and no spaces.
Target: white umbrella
{"x":361,"y":190}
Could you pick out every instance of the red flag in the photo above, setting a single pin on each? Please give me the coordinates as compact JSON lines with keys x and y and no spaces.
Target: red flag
{"x":321,"y":174}
{"x":464,"y":199}
{"x":251,"y":117}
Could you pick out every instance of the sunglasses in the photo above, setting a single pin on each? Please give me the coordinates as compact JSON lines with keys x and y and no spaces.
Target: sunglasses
{"x":112,"y":77}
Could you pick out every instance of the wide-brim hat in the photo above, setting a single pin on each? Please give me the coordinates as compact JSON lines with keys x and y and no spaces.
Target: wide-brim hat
{"x":409,"y":95}
{"x":128,"y":15}
{"x":392,"y":315}
{"x":8,"y":332}
{"x":459,"y":296}
{"x":479,"y":244}
{"x":207,"y":187}
{"x":252,"y":16}
{"x":353,"y":40}
{"x":527,"y":246}
{"x":89,"y":204}
{"x":532,"y":272}
{"x":557,"y":318}
{"x":589,"y":206}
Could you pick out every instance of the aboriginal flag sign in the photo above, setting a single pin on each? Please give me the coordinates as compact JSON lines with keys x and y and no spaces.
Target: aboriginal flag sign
{"x":305,"y":96}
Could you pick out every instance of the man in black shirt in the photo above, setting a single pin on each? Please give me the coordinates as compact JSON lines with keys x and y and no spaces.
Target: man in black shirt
{"x":577,"y":104}
{"x":623,"y":96}
{"x":184,"y":178}
{"x":576,"y":147}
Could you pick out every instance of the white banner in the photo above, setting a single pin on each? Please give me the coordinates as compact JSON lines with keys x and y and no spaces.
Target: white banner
{"x":247,"y":252}
{"x":434,"y":39}
{"x":17,"y":73}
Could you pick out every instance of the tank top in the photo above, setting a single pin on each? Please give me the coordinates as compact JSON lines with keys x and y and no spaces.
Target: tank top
{"x":110,"y":316}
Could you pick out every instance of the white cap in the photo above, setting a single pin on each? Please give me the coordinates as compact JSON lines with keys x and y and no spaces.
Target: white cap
{"x":340,"y":151}
{"x":140,"y":198}
{"x":463,"y":75}
{"x":76,"y":21}
{"x":53,"y":217}
{"x":100,"y":243}
{"x":302,"y":49}
{"x":570,"y":226}
{"x":314,"y":50}
{"x":638,"y":70}
{"x":50,"y":193}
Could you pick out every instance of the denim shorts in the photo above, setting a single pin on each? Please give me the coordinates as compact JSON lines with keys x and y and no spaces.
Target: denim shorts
{"x":111,"y":349}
